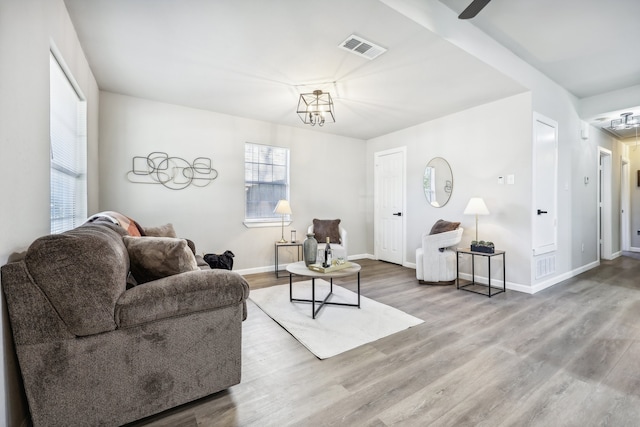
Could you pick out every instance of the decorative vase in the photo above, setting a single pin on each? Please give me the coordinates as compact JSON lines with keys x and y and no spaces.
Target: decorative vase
{"x":310,"y":249}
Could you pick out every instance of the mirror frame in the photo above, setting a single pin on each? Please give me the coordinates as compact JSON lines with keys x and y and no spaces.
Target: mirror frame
{"x":444,"y":189}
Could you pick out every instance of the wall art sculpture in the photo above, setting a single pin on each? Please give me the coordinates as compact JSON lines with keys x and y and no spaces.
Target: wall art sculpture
{"x":174,"y":173}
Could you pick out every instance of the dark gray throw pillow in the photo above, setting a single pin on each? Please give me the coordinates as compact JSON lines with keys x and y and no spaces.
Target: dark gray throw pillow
{"x":442,"y":226}
{"x":323,"y":228}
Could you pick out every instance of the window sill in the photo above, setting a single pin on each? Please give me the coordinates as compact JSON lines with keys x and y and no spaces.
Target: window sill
{"x":260,"y":224}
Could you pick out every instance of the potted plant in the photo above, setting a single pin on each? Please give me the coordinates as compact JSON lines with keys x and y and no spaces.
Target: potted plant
{"x":482,"y":246}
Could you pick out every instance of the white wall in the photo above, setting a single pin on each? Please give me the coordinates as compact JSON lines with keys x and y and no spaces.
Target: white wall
{"x":327,"y":176}
{"x":480,"y":145}
{"x":26,"y":31}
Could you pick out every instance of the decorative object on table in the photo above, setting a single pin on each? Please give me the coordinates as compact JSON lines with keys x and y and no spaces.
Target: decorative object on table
{"x":224,"y":261}
{"x":437,"y":182}
{"x":335,"y":266}
{"x":328,"y":254}
{"x":315,"y":108}
{"x":283,"y":208}
{"x":293,"y":236}
{"x":310,"y":249}
{"x":476,"y":206}
{"x":174,"y":173}
{"x":482,"y":246}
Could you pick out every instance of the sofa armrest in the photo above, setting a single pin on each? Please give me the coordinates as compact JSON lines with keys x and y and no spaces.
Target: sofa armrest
{"x":180,"y":294}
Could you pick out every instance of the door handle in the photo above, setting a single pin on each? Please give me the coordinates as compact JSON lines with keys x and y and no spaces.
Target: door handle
{"x":541,"y":212}
{"x":397,"y":214}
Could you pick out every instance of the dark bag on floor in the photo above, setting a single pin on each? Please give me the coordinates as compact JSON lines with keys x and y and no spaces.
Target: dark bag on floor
{"x":224,"y":261}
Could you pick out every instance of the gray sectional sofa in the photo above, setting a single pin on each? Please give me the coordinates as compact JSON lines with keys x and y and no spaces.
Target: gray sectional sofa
{"x":92,"y":352}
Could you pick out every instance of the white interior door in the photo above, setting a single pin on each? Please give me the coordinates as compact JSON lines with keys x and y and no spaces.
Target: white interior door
{"x":625,"y":197}
{"x":389,"y":205}
{"x":545,"y":182}
{"x":604,"y":204}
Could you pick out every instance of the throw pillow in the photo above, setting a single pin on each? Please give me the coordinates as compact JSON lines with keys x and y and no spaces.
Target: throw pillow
{"x":161,"y":231}
{"x":323,"y":228}
{"x":153,"y":258}
{"x":442,"y":226}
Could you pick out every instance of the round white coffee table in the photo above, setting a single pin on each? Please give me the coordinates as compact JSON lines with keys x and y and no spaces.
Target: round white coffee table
{"x":300,"y":269}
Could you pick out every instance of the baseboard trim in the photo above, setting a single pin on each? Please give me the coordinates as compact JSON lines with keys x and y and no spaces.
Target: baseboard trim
{"x":568,"y":275}
{"x":634,"y":249}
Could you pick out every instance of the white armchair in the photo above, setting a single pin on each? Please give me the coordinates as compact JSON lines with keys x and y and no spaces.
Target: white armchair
{"x":433,"y":265}
{"x":339,"y":249}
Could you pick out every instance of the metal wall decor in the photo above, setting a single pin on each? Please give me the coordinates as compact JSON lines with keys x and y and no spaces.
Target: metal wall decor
{"x":172,"y":172}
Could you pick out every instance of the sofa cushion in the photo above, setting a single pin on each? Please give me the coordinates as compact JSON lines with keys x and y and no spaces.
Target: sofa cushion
{"x":323,"y":228}
{"x":153,"y":258}
{"x":442,"y":226}
{"x":179,"y":295}
{"x":82,"y":272}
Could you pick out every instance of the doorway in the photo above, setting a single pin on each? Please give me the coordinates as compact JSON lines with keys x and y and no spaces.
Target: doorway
{"x":604,"y":204}
{"x":389,"y":205}
{"x":625,"y":200}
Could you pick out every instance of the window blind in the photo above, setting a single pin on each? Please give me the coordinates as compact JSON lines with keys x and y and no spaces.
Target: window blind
{"x":68,"y":151}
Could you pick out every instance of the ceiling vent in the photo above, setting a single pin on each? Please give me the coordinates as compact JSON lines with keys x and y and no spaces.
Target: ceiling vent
{"x":362,"y":47}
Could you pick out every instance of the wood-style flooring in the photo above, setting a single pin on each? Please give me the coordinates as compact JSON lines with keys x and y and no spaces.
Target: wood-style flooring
{"x":566,"y":356}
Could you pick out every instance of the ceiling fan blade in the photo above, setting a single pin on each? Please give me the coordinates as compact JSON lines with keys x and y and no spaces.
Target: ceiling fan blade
{"x":473,"y":9}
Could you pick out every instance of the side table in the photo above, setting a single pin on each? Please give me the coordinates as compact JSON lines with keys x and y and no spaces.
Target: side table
{"x":481,"y":288}
{"x":287,"y":244}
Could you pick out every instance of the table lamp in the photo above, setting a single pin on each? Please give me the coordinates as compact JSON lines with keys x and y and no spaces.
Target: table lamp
{"x":476,"y":206}
{"x":283,"y":208}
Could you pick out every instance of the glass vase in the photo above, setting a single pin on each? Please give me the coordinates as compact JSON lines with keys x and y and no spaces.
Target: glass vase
{"x":310,"y":249}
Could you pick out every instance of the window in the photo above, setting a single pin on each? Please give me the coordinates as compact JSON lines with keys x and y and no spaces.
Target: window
{"x":266,"y":180}
{"x":68,"y":151}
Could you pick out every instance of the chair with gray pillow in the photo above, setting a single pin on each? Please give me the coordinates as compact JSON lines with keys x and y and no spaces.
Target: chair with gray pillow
{"x":323,"y":228}
{"x":436,"y":257}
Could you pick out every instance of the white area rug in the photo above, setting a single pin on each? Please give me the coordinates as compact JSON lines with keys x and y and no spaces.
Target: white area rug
{"x":335,"y":329}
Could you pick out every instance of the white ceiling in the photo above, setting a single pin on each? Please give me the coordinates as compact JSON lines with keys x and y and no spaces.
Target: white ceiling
{"x":252,"y":58}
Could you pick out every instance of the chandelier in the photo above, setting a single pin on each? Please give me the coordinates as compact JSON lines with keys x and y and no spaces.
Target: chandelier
{"x":628,"y":121}
{"x":314,"y":108}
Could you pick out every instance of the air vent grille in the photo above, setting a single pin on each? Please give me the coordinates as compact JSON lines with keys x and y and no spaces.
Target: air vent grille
{"x":362,"y":47}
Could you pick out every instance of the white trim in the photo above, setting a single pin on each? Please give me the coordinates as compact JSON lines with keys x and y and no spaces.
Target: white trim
{"x":259,"y":224}
{"x":603,"y":223}
{"x":616,"y":255}
{"x":625,"y":204}
{"x":568,"y":275}
{"x":634,"y":249}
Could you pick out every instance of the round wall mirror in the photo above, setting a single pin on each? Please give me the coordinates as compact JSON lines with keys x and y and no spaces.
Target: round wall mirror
{"x":437,"y":182}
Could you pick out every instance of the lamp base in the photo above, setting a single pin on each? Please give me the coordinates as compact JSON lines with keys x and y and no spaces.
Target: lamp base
{"x":282,"y":241}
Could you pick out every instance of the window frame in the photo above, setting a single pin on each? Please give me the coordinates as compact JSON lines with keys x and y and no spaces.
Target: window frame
{"x":274,"y":219}
{"x":68,"y":190}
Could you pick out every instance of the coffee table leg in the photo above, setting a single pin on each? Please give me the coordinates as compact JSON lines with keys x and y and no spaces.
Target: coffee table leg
{"x":313,"y":297}
{"x":290,"y":288}
{"x":358,"y":289}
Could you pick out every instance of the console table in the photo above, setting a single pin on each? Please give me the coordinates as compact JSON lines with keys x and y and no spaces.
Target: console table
{"x":287,"y":244}
{"x":481,"y":288}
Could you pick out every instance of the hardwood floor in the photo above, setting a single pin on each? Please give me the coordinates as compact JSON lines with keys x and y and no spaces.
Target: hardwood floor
{"x":567,"y":356}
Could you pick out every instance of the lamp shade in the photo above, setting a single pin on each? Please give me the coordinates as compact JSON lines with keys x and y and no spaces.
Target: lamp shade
{"x":476,"y":206}
{"x":283,"y":208}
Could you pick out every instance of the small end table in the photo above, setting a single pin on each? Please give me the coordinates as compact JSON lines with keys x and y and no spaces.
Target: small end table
{"x":485,"y":288}
{"x":279,"y":245}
